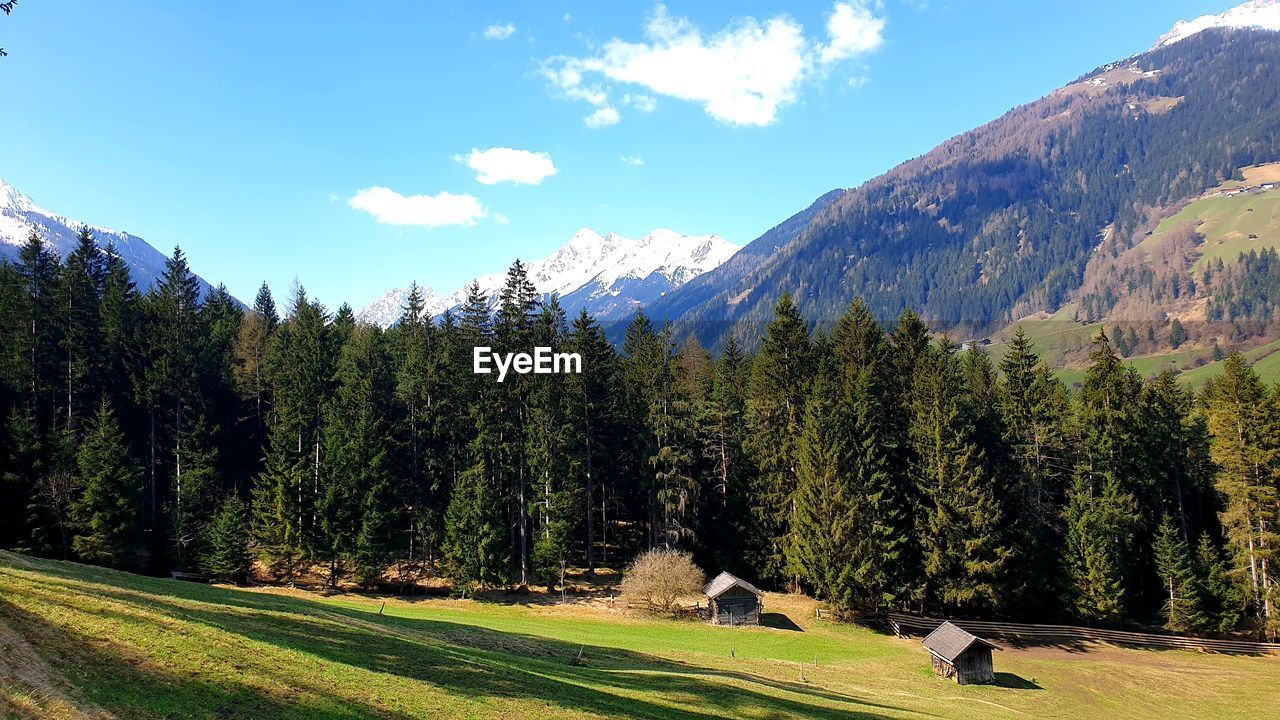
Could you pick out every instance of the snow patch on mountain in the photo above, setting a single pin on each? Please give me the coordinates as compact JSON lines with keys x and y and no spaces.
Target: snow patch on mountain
{"x":1264,"y":14}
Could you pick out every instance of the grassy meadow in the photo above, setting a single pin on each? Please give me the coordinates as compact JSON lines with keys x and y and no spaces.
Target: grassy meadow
{"x":83,"y":642}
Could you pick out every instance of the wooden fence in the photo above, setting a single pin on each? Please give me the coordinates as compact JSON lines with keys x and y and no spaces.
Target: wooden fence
{"x":912,"y":625}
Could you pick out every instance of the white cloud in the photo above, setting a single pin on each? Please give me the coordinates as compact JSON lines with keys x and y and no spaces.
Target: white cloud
{"x":499,"y":32}
{"x":602,"y":117}
{"x":853,"y":30}
{"x":389,"y":207}
{"x":501,"y":219}
{"x":740,"y":75}
{"x":632,"y":160}
{"x":504,"y":164}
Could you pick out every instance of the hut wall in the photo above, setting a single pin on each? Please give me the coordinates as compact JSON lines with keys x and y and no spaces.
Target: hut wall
{"x":736,"y":606}
{"x":974,"y":666}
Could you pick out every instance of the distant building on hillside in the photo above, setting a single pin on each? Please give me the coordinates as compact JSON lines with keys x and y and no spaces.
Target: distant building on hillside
{"x":961,"y":655}
{"x":733,"y":601}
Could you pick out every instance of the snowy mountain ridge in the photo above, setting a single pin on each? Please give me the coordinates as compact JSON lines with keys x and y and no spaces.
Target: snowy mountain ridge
{"x":607,"y":275}
{"x":19,"y":215}
{"x":1264,"y":14}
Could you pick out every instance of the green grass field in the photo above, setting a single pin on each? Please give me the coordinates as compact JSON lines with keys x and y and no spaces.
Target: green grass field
{"x":1230,"y":225}
{"x":85,"y":642}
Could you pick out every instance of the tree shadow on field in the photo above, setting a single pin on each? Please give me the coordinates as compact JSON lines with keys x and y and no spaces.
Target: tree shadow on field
{"x":130,"y":684}
{"x":462,"y":660}
{"x":779,"y":621}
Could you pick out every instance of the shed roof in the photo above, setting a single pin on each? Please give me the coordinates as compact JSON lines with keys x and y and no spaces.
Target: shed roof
{"x":724,"y":581}
{"x":950,"y":642}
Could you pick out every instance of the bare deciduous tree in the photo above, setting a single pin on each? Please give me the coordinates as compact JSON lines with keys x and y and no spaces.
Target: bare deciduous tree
{"x":659,"y":578}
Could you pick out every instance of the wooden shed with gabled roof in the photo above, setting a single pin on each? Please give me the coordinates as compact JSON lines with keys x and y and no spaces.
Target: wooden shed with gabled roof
{"x":959,"y":654}
{"x":733,"y":601}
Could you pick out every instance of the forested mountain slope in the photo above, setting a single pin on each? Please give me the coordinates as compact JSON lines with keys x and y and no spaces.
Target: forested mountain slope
{"x":1001,"y":221}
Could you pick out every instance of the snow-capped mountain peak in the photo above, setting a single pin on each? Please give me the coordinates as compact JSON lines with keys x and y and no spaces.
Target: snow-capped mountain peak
{"x":1264,"y":14}
{"x":388,"y":309}
{"x":607,"y":275}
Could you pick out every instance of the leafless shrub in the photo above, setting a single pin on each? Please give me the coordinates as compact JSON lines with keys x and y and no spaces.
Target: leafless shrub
{"x":659,"y":578}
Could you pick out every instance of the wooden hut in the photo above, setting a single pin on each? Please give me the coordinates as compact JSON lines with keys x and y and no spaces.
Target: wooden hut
{"x":733,"y":601}
{"x":960,"y":655}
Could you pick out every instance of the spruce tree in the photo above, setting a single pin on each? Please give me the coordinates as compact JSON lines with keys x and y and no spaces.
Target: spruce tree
{"x":277,"y":523}
{"x":38,"y":271}
{"x":775,"y":412}
{"x":1033,"y":406}
{"x":107,"y":514}
{"x":1219,"y":593}
{"x":79,"y":301}
{"x":1182,"y":604}
{"x":1243,"y":420}
{"x":1103,"y":511}
{"x":227,"y":556}
{"x":120,"y":345}
{"x":592,"y":396}
{"x":358,"y":486}
{"x":823,"y":525}
{"x":866,"y":395}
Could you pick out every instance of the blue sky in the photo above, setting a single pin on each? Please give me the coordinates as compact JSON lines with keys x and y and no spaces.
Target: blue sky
{"x":286,"y":139}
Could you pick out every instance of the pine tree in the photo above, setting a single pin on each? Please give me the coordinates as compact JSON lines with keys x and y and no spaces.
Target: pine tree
{"x":416,"y":380}
{"x":301,"y":364}
{"x":1033,"y":405}
{"x":550,"y":450}
{"x":1099,"y":520}
{"x":107,"y":515}
{"x":866,"y":393}
{"x":1177,"y":334}
{"x":252,"y":377}
{"x":1173,"y":562}
{"x":592,"y":396}
{"x":358,"y":488}
{"x":823,"y":524}
{"x":964,"y":551}
{"x":1103,"y":512}
{"x":474,"y":551}
{"x":726,"y":509}
{"x":80,"y":291}
{"x":38,"y":271}
{"x":119,"y":352}
{"x":228,"y":557}
{"x":1246,"y":448}
{"x":277,"y":531}
{"x":197,"y":493}
{"x":775,"y":411}
{"x":1220,"y":595}
{"x":171,"y":383}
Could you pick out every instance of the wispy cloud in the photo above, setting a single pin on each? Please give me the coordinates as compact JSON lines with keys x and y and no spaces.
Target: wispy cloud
{"x":504,"y":164}
{"x":632,"y":160}
{"x":499,"y":32}
{"x":389,"y":207}
{"x":740,"y":75}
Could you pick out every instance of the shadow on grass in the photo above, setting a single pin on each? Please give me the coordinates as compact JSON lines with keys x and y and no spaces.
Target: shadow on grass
{"x":1015,"y":682}
{"x":779,"y":621}
{"x":461,"y":660}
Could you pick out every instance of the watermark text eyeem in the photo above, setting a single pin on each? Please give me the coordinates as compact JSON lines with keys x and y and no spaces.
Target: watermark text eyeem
{"x":543,"y":361}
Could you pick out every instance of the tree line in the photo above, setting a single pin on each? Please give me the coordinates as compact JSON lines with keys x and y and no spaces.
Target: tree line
{"x":878,"y":468}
